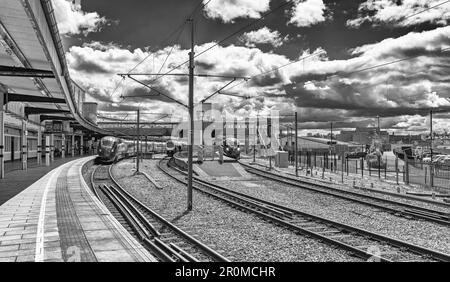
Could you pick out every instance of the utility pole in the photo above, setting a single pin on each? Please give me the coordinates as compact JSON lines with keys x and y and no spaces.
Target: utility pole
{"x":296,"y":145}
{"x":431,"y":149}
{"x":138,"y":138}
{"x":191,"y":117}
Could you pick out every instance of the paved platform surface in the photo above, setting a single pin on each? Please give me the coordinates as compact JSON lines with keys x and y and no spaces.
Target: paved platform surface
{"x":58,"y":218}
{"x":213,"y":169}
{"x":16,"y":180}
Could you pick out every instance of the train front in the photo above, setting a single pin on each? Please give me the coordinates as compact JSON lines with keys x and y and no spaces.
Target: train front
{"x":231,"y":148}
{"x":106,"y":149}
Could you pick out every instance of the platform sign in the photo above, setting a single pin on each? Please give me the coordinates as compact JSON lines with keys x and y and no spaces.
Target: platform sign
{"x":57,"y":126}
{"x":48,"y":126}
{"x":66,"y":126}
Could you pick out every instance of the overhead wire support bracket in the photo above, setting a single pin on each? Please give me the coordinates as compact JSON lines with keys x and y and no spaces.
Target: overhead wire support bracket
{"x":159,"y":92}
{"x":234,"y":95}
{"x":186,"y":74}
{"x":217,"y":91}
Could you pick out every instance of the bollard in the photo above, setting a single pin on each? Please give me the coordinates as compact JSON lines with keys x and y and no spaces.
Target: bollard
{"x":398,"y":189}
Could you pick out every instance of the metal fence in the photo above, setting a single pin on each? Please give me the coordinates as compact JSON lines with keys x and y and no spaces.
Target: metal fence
{"x":387,"y":168}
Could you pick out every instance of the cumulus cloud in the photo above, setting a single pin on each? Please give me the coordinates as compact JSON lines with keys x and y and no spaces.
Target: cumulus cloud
{"x":405,"y":88}
{"x":263,"y":36}
{"x":320,"y":89}
{"x":72,"y":20}
{"x":229,"y":10}
{"x":95,"y":67}
{"x":402,"y":13}
{"x":307,"y":13}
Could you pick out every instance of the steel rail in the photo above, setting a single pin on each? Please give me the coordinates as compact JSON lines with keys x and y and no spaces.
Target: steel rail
{"x":339,"y":227}
{"x":383,"y":192}
{"x":142,"y":229}
{"x":381,"y":203}
{"x":133,"y":201}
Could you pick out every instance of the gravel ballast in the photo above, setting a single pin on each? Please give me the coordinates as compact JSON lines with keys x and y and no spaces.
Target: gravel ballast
{"x":236,"y":234}
{"x":427,"y":234}
{"x":368,"y":182}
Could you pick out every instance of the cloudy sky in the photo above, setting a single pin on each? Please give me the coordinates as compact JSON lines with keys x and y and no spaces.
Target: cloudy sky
{"x":344,"y":61}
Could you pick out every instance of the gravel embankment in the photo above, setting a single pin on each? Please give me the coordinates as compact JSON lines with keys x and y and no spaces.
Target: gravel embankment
{"x":236,"y":234}
{"x":427,"y":234}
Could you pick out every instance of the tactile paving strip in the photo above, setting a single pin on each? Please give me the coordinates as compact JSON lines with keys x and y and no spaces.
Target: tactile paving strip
{"x":70,"y":230}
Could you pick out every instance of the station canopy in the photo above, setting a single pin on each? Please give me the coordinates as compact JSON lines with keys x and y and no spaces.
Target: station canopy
{"x":33,"y":67}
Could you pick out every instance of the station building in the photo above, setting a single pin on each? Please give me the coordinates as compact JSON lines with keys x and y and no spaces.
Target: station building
{"x":43,"y":112}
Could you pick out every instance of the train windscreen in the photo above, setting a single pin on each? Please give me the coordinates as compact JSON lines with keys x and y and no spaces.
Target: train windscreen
{"x":232,"y":142}
{"x":107,"y":142}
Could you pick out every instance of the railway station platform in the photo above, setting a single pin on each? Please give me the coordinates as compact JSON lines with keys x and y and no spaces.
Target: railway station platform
{"x":58,"y":218}
{"x":213,"y":169}
{"x":16,"y":179}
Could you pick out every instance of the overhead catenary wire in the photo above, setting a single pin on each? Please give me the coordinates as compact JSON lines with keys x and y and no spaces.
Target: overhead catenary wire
{"x":378,"y":66}
{"x":268,"y":13}
{"x":179,"y":27}
{"x":278,"y":68}
{"x":315,"y":54}
{"x":180,"y":30}
{"x":240,"y":30}
{"x":170,"y":52}
{"x":427,"y":9}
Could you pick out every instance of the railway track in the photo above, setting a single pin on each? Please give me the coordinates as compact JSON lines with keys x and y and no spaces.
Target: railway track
{"x":362,"y":243}
{"x":159,"y":236}
{"x":394,"y":207}
{"x":410,"y":197}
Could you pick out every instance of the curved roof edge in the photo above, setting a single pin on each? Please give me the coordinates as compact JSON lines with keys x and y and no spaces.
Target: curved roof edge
{"x":44,"y":20}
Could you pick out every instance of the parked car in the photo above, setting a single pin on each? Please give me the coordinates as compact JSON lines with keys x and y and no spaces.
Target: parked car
{"x":426,"y":158}
{"x":438,"y":158}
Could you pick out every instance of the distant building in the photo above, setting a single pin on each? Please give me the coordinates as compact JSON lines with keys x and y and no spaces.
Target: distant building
{"x":363,"y":135}
{"x":405,"y":139}
{"x":320,"y":145}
